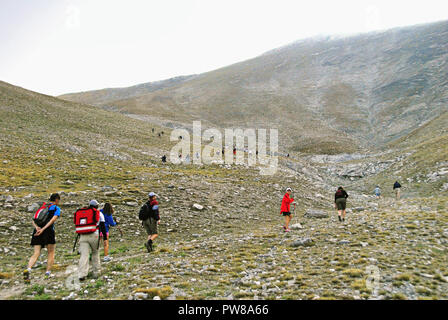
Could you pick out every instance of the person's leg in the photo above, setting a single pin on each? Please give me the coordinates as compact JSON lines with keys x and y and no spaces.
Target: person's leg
{"x":84,"y":249}
{"x":154,"y":236}
{"x":343,"y":214}
{"x":51,"y":248}
{"x":35,"y":256}
{"x":288,"y":219}
{"x":93,"y":240}
{"x":106,"y":247}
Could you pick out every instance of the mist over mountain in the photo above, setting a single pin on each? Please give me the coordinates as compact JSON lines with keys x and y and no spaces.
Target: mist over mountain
{"x":325,"y":95}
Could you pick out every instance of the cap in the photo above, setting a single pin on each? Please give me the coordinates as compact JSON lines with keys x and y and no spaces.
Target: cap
{"x":93,"y":203}
{"x":288,"y":189}
{"x":152,"y":194}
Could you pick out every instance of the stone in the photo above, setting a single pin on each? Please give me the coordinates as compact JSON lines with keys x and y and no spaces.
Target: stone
{"x":9,"y":198}
{"x":198,"y":207}
{"x":69,"y":182}
{"x":296,"y":226}
{"x":141,"y":296}
{"x":305,"y":242}
{"x":33,"y":207}
{"x":132,"y":204}
{"x":315,"y":213}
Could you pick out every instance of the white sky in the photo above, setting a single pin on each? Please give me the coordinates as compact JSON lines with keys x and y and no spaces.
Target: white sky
{"x":60,"y":46}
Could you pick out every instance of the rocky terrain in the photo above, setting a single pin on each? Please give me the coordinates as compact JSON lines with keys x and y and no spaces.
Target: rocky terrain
{"x":358,"y":112}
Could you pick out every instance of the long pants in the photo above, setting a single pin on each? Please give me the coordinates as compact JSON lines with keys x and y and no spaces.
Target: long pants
{"x":89,"y":243}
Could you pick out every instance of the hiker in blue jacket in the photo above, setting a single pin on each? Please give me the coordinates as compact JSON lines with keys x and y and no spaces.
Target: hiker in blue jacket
{"x":107,"y":211}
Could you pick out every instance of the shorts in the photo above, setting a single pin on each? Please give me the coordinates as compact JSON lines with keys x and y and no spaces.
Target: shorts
{"x":47,"y":237}
{"x":286,"y":214}
{"x":107,"y":235}
{"x":341,"y":203}
{"x":150,"y":226}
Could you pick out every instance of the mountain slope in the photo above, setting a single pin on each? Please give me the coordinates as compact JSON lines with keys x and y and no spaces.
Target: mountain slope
{"x":325,"y":95}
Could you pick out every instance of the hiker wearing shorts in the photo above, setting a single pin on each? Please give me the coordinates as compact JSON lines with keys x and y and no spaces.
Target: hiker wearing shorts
{"x":109,"y":221}
{"x":285,"y":209}
{"x":397,"y":190}
{"x":340,"y":202}
{"x":151,"y":219}
{"x":377,"y":192}
{"x":44,"y":236}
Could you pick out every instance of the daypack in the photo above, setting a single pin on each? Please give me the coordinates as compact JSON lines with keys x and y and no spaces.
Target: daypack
{"x":145,"y":212}
{"x":43,"y":215}
{"x":86,"y":220}
{"x":339,"y":194}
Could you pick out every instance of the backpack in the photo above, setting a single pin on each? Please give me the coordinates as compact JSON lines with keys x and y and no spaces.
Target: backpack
{"x":145,"y":212}
{"x":43,"y":215}
{"x":86,"y":220}
{"x":339,"y":193}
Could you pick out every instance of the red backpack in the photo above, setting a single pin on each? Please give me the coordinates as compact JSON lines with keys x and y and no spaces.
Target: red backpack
{"x":86,"y":220}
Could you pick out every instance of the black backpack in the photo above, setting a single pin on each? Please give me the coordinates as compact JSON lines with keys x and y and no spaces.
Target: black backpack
{"x":144,"y":213}
{"x":44,"y":215}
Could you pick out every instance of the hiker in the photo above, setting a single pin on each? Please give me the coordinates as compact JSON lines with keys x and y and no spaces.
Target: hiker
{"x":152,"y":130}
{"x":150,"y":217}
{"x":89,"y":221}
{"x":44,"y":234}
{"x":397,"y":189}
{"x":234,"y":151}
{"x":285,"y":209}
{"x":164,"y":158}
{"x":340,"y":202}
{"x":377,"y":192}
{"x":109,"y":221}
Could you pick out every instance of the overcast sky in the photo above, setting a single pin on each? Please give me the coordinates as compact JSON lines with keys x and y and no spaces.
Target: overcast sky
{"x":60,"y":46}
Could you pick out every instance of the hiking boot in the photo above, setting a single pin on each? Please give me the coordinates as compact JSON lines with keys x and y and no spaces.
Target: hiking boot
{"x":343,"y":219}
{"x":82,"y":279}
{"x":339,"y":217}
{"x":147,"y":246}
{"x":150,"y":245}
{"x":48,"y":274}
{"x":26,"y":275}
{"x":107,"y":259}
{"x":287,"y":230}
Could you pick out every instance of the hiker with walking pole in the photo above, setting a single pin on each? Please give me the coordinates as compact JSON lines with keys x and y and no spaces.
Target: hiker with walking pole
{"x":44,"y":234}
{"x":285,"y":209}
{"x":89,"y":221}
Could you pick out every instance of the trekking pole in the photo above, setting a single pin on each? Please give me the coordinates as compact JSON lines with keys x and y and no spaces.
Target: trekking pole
{"x":76,"y":242}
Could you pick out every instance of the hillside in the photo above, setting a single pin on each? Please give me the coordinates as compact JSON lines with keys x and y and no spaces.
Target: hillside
{"x":326,"y":95}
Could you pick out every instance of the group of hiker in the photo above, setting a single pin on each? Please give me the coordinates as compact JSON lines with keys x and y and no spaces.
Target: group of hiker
{"x":340,"y":203}
{"x":92,"y":226}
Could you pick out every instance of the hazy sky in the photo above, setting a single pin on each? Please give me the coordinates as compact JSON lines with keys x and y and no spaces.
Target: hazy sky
{"x":60,"y":46}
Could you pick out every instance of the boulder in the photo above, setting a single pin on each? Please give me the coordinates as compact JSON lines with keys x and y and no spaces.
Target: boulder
{"x":315,"y":213}
{"x":132,"y":204}
{"x":33,"y":207}
{"x":296,"y":226}
{"x":197,"y":207}
{"x":9,"y":198}
{"x":305,"y":242}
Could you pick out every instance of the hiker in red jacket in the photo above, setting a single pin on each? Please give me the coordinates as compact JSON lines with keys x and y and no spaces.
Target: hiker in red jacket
{"x":285,"y":209}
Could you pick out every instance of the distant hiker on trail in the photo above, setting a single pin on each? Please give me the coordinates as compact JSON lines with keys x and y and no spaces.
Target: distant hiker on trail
{"x":234,"y":151}
{"x":397,"y":189}
{"x":109,"y":221}
{"x":340,"y":202}
{"x":89,"y":222}
{"x":285,"y":209}
{"x":377,"y":192}
{"x":150,"y":217}
{"x":44,"y":234}
{"x":152,"y":130}
{"x":164,"y":158}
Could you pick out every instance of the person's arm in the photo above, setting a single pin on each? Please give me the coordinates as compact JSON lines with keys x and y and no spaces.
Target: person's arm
{"x":49,"y":224}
